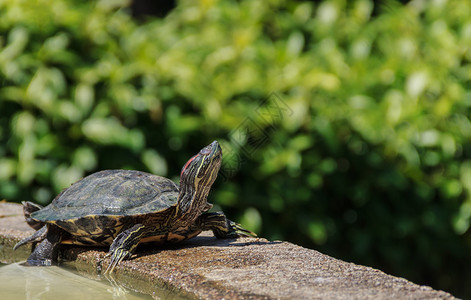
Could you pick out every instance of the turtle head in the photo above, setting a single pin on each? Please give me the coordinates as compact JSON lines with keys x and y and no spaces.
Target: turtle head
{"x":197,"y":177}
{"x":201,"y":170}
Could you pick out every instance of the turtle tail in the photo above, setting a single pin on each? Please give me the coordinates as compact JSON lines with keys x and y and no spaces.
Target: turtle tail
{"x":35,"y":237}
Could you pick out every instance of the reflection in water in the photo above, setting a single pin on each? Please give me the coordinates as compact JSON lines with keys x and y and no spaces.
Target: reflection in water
{"x":20,"y":282}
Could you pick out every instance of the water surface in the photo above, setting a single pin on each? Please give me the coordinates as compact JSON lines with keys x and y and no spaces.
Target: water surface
{"x":21,"y":282}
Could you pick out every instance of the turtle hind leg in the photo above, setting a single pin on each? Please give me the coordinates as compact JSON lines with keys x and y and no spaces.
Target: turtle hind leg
{"x":28,"y":209}
{"x":222,"y":227}
{"x":35,"y":237}
{"x":47,"y":251}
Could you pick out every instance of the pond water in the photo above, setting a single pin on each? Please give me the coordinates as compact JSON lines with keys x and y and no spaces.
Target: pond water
{"x":21,"y":282}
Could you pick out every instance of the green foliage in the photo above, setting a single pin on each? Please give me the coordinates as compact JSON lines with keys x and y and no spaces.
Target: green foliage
{"x":343,"y":130}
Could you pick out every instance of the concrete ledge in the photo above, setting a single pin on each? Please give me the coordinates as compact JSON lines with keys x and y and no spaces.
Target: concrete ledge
{"x":243,"y":268}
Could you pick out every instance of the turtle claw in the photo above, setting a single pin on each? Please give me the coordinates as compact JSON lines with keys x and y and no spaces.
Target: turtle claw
{"x":236,"y":230}
{"x":117,"y":256}
{"x":123,"y":246}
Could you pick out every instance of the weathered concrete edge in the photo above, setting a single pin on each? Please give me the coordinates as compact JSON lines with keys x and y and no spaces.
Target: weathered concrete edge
{"x":208,"y":268}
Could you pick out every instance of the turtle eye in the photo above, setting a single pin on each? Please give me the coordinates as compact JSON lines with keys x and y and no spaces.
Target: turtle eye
{"x":206,"y":150}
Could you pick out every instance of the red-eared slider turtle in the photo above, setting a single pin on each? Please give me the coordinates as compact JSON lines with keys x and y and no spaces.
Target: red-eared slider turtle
{"x":122,"y":208}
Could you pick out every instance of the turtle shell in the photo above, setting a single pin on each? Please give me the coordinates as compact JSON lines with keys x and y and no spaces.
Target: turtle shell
{"x":94,"y":209}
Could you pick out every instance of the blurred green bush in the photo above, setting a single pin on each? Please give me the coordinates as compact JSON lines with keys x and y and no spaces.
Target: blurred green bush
{"x":345,"y":125}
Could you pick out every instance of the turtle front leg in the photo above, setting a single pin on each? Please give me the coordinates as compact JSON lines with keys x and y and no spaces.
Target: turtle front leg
{"x":124,"y":245}
{"x":222,"y":227}
{"x":47,"y":251}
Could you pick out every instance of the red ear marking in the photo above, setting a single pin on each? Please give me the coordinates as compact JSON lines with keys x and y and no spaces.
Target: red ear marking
{"x":187,"y":164}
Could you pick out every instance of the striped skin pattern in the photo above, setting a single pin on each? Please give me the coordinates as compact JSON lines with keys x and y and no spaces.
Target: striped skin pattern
{"x":122,"y":208}
{"x":95,"y":209}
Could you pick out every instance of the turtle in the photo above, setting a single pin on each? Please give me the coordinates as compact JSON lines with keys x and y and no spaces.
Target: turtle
{"x":123,"y":208}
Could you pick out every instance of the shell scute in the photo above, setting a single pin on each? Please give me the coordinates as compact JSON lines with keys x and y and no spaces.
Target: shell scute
{"x":109,"y":196}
